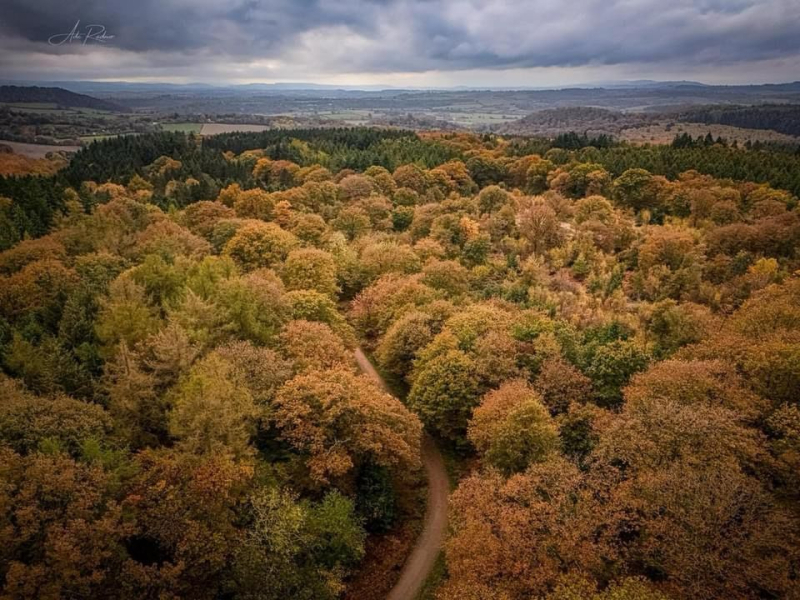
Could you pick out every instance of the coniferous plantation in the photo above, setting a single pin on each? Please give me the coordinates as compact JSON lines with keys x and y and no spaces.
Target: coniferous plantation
{"x":602,"y":339}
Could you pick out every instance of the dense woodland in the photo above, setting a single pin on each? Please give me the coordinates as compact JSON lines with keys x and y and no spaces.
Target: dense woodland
{"x":207,"y":164}
{"x":784,"y":118}
{"x":67,"y":127}
{"x":606,"y":340}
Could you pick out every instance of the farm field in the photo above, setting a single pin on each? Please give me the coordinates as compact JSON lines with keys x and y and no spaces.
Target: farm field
{"x":51,"y":109}
{"x":475,"y":119}
{"x":347,"y":117}
{"x":31,"y":105}
{"x":183,"y":127}
{"x":37,"y":150}
{"x":215,"y":128}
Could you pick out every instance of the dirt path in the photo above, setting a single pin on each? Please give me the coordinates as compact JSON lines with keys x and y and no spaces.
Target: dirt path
{"x":422,"y":558}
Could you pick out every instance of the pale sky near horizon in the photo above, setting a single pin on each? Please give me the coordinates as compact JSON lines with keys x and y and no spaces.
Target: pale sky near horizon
{"x":422,"y":43}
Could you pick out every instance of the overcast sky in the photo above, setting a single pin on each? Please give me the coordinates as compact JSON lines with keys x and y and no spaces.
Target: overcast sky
{"x":403,"y":42}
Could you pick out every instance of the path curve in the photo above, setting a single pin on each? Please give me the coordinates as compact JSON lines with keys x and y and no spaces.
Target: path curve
{"x":420,"y":562}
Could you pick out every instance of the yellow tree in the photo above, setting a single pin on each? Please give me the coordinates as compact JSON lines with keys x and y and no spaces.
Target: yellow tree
{"x":310,"y":269}
{"x":257,"y":244}
{"x":213,"y":411}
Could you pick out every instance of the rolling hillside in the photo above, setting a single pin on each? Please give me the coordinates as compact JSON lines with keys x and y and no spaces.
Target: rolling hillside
{"x":54,"y":95}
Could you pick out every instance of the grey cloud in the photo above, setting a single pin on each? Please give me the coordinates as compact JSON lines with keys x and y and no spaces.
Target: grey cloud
{"x":352,"y":36}
{"x":612,"y":32}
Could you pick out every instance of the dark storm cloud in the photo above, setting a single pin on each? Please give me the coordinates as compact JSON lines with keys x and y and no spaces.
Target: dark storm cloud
{"x":361,"y":36}
{"x":176,"y":25}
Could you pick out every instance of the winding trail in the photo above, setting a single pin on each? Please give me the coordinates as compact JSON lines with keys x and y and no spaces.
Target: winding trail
{"x":420,"y":562}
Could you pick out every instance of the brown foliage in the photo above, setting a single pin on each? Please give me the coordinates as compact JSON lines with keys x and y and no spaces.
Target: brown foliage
{"x":62,"y":534}
{"x":18,"y":164}
{"x":40,"y":285}
{"x":201,"y":217}
{"x":29,"y":251}
{"x":375,"y":308}
{"x":693,"y":383}
{"x":708,"y":530}
{"x":339,"y":420}
{"x":513,"y":538}
{"x":314,"y":346}
{"x":561,"y":384}
{"x":184,"y":506}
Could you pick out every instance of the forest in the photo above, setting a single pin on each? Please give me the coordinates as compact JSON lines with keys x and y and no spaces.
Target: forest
{"x":779,"y":117}
{"x":603,"y":340}
{"x":207,"y":163}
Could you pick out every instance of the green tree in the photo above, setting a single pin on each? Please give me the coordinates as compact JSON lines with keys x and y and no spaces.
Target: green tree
{"x":310,"y":269}
{"x":611,"y":368}
{"x":512,"y":428}
{"x":636,"y":189}
{"x":444,"y":393}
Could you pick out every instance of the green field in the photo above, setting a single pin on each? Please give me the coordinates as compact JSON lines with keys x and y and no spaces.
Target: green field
{"x":50,"y":108}
{"x":31,"y":105}
{"x":355,"y":117}
{"x":103,"y":136}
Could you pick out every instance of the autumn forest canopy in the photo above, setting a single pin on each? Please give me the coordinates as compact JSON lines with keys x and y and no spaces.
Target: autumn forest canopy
{"x":603,"y":339}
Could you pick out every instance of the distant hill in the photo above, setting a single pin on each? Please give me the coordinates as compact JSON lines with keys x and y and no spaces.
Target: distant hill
{"x":55,"y":95}
{"x":584,"y":119}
